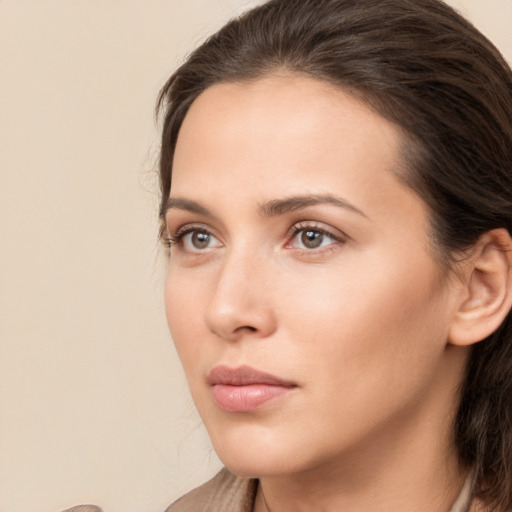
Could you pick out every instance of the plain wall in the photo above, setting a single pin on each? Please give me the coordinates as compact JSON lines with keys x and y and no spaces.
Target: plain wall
{"x":93,"y":403}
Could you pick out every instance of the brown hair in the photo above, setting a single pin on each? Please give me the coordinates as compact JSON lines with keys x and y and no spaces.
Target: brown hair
{"x":428,"y":70}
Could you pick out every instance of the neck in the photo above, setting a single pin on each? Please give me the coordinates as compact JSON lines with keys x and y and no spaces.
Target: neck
{"x":390,"y":487}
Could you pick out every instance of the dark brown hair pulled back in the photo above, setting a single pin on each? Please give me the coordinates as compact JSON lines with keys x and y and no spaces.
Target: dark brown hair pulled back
{"x":429,"y":71}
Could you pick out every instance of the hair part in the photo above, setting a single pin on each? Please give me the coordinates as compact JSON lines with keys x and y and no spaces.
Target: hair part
{"x":426,"y":69}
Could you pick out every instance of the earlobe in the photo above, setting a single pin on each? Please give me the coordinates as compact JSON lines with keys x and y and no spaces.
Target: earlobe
{"x":488,"y":289}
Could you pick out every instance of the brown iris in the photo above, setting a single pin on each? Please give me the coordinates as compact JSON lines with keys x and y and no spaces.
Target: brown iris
{"x":311,"y":239}
{"x":200,"y":239}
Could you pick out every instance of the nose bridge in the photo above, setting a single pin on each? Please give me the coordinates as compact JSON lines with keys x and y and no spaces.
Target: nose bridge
{"x":240,"y":302}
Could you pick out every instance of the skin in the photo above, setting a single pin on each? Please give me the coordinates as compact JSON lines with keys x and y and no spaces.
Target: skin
{"x":360,"y":324}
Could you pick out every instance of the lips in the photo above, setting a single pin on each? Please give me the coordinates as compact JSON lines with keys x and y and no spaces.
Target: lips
{"x":245,"y":389}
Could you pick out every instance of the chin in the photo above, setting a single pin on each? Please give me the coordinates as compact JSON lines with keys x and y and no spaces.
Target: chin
{"x":254,"y":451}
{"x":256,"y":465}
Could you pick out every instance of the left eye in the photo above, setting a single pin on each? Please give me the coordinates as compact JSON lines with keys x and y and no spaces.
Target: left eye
{"x":311,"y":238}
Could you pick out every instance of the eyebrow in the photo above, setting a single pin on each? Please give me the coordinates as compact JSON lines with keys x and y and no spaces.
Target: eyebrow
{"x":272,"y":208}
{"x":293,"y":203}
{"x":181,"y":203}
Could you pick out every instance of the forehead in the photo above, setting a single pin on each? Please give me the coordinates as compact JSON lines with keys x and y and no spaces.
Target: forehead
{"x":283,"y":134}
{"x":276,"y":111}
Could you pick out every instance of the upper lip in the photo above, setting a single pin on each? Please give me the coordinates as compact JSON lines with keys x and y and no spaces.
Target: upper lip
{"x":244,"y":376}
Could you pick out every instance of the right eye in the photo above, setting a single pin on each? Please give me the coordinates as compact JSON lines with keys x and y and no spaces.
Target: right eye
{"x":195,"y":240}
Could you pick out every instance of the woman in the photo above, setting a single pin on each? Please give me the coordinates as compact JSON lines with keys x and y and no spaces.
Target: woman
{"x":336,"y":194}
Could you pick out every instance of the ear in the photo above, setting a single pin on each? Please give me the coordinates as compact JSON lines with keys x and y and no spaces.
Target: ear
{"x":487,"y":295}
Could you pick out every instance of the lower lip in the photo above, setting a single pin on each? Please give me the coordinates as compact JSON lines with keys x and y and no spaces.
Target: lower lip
{"x":246,"y":398}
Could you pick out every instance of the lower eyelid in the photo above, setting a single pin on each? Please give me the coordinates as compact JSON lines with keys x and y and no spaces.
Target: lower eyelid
{"x":320,"y":251}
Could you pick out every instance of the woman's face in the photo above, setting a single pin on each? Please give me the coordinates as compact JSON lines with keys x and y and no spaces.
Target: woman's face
{"x":302,"y":295}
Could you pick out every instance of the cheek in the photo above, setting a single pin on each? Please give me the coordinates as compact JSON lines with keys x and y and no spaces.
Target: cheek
{"x":388,"y":316}
{"x":367,"y":350}
{"x":184,"y":317}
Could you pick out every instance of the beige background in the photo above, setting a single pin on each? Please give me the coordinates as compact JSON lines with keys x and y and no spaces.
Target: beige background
{"x":93,"y":404}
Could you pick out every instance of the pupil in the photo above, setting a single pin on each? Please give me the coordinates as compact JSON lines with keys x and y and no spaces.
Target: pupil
{"x":200,"y":240}
{"x":311,"y":239}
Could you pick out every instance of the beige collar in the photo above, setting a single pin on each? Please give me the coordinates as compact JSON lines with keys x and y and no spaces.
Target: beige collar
{"x":228,"y":492}
{"x":463,"y":502}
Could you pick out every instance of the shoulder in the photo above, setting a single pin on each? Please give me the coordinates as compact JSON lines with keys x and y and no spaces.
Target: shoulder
{"x":224,"y":492}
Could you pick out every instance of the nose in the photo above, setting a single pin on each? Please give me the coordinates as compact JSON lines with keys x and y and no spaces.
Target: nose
{"x":240,"y":304}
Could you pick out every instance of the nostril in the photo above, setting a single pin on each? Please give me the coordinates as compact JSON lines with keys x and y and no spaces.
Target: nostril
{"x":247,"y":328}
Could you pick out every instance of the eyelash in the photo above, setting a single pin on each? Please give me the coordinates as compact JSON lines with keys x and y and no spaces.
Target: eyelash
{"x":296,"y":229}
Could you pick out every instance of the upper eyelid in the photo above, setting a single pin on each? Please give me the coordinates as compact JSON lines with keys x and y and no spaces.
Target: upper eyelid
{"x":179,"y":226}
{"x":191,"y":226}
{"x":176,"y":219}
{"x":319,"y":226}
